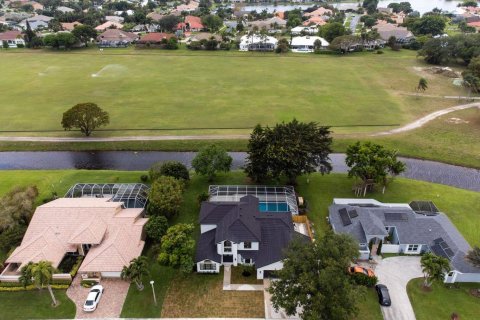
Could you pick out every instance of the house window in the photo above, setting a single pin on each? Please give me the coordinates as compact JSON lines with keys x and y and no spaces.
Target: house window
{"x":207,"y":266}
{"x":248,"y":261}
{"x":247,"y":245}
{"x":412,"y":248}
{"x":227,"y":246}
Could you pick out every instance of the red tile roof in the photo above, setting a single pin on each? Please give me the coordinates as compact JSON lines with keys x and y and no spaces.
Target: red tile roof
{"x":193,"y":23}
{"x":10,"y":35}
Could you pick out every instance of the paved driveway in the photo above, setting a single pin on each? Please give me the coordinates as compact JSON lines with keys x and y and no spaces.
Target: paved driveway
{"x":395,"y":273}
{"x":111,"y":303}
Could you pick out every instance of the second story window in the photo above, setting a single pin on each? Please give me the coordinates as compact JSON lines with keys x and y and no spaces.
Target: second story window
{"x":227,"y":246}
{"x":247,"y":245}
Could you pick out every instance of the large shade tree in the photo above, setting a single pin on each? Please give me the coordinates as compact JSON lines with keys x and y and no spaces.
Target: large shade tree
{"x":17,"y":206}
{"x":290,"y":149}
{"x":135,"y":271}
{"x":211,"y":160}
{"x":372,"y":163}
{"x":434,"y":268}
{"x":86,"y":117}
{"x":177,"y":247}
{"x":165,"y":197}
{"x":314,"y":279}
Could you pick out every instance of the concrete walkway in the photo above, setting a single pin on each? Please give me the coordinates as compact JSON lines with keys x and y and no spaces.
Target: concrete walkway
{"x":395,"y":273}
{"x":228,"y":286}
{"x":422,"y":121}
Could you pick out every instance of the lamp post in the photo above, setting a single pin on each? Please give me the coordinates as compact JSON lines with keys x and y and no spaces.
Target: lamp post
{"x":153,"y":290}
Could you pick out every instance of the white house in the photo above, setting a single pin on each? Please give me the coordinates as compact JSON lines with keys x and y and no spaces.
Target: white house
{"x":12,"y":38}
{"x":413,"y":228}
{"x":306,"y":30}
{"x":307,"y":43}
{"x":241,"y":233}
{"x":257,"y":43}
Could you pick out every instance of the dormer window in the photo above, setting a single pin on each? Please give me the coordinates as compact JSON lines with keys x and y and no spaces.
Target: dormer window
{"x":247,"y":245}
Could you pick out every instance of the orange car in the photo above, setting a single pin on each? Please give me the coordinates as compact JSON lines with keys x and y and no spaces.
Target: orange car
{"x":359,"y":269}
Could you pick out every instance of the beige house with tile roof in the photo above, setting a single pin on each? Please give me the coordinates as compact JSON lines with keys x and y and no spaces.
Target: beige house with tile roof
{"x":103,"y":231}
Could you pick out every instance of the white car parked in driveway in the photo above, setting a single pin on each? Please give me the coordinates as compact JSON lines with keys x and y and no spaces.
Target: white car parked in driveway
{"x":93,"y":298}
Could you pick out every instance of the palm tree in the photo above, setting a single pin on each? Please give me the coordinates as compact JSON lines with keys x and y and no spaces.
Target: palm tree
{"x":433,"y":268}
{"x":137,"y":269}
{"x":26,"y":275}
{"x":422,"y":85}
{"x":42,"y":274}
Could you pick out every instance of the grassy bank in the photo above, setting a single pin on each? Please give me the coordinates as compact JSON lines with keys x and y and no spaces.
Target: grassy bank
{"x":441,"y":301}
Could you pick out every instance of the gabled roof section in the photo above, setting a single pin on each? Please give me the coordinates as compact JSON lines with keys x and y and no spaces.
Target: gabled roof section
{"x":91,"y":232}
{"x":207,"y":248}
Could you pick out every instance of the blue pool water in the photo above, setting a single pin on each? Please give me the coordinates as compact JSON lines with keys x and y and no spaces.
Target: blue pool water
{"x":273,"y":207}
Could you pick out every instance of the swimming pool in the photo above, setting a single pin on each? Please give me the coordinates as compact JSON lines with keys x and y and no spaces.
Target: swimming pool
{"x":273,"y":207}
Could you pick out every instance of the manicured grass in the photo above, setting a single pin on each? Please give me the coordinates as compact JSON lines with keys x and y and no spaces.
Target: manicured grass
{"x":140,"y":303}
{"x":440,"y":140}
{"x":239,"y":278}
{"x":442,"y":301}
{"x":172,"y":90}
{"x":201,"y":296}
{"x":369,"y":309}
{"x":35,"y":304}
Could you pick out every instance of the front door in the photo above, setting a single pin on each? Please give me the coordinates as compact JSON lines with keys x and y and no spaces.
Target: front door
{"x":228,"y":258}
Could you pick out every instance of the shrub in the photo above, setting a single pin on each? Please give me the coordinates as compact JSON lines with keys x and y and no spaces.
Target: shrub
{"x":76,"y":266}
{"x":88,"y":283}
{"x":247,"y":271}
{"x":20,"y":45}
{"x":204,"y":196}
{"x":165,"y":197}
{"x":364,"y":280}
{"x":144,"y":178}
{"x":173,"y":169}
{"x":156,"y":227}
{"x":12,"y":237}
{"x":379,"y":52}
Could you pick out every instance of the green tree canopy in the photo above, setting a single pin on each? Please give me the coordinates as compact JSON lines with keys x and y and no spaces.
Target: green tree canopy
{"x":432,"y":24}
{"x":135,"y":271}
{"x":212,"y":22}
{"x":422,"y":85}
{"x":210,"y":160}
{"x":314,"y":278}
{"x":170,"y":169}
{"x":434,"y":268}
{"x":404,"y":7}
{"x":17,"y":206}
{"x":156,"y":227}
{"x":332,"y":30}
{"x":84,"y":33}
{"x":370,"y":5}
{"x":177,"y":247}
{"x":168,"y":23}
{"x":60,"y":40}
{"x":165,"y":197}
{"x":86,"y":117}
{"x":289,"y":149}
{"x":42,"y":274}
{"x":372,"y":162}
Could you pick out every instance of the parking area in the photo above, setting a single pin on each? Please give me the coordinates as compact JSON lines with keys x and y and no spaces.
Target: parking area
{"x":111,"y":303}
{"x":395,"y":273}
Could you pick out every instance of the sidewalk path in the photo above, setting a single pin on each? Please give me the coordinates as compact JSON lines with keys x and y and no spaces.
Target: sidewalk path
{"x":432,"y":116}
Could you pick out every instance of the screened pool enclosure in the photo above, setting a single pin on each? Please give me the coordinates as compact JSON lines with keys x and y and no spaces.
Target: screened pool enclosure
{"x":272,"y":198}
{"x":133,"y":195}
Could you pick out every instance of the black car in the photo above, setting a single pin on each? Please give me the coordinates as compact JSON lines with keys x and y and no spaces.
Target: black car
{"x":383,"y":295}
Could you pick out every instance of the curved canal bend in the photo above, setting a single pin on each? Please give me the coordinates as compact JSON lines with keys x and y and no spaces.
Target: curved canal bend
{"x":430,"y":171}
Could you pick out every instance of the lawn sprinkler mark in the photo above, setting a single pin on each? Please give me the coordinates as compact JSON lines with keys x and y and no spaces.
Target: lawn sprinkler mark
{"x":48,"y":71}
{"x":110,"y":70}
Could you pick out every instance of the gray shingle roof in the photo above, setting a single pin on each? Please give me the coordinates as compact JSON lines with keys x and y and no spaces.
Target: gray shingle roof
{"x":413,"y":228}
{"x":206,"y":247}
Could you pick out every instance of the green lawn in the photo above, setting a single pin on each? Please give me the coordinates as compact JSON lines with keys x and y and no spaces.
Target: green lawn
{"x":35,"y":305}
{"x":442,"y":301}
{"x":182,"y":89}
{"x":369,"y":309}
